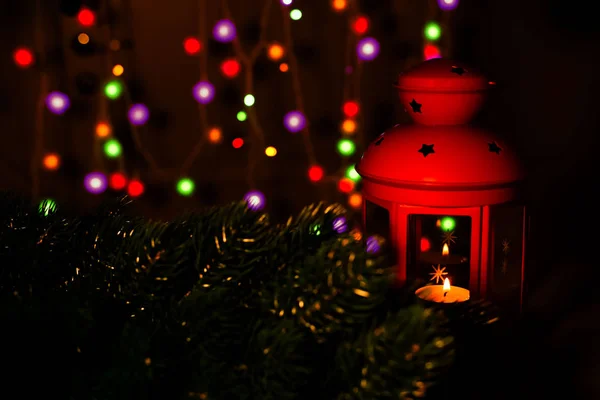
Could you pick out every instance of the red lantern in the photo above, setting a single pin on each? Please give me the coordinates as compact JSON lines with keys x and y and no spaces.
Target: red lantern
{"x":452,"y":184}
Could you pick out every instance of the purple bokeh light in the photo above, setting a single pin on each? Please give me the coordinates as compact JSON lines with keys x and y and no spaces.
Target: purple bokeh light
{"x":367,"y":49}
{"x":286,"y":2}
{"x":294,"y":121}
{"x":95,"y":182}
{"x":57,"y":102}
{"x":224,"y":31}
{"x":138,"y":114}
{"x":339,"y":225}
{"x":373,"y":245}
{"x":447,"y":5}
{"x":255,"y":200}
{"x":204,"y":92}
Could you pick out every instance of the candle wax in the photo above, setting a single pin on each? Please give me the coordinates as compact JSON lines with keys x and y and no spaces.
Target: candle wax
{"x":435,"y":293}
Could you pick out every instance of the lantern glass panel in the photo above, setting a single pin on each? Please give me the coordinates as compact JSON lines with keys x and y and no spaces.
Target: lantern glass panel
{"x":505,"y":276}
{"x":378,"y":220}
{"x":439,"y":243}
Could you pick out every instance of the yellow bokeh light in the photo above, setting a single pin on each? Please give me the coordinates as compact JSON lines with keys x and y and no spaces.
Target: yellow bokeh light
{"x":339,"y":5}
{"x":355,"y":200}
{"x":102,"y":130}
{"x":283,"y":67}
{"x":349,"y":126}
{"x":215,"y":135}
{"x":83,"y":38}
{"x":118,"y":70}
{"x":271,"y":151}
{"x":275,"y":52}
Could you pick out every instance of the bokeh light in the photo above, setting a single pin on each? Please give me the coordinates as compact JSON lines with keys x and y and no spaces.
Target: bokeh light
{"x":339,"y":5}
{"x":185,"y":187}
{"x":57,"y":102}
{"x":23,"y":57}
{"x":284,"y":67}
{"x":204,"y":92}
{"x":447,"y":5}
{"x":117,"y":181}
{"x":224,"y":31}
{"x":138,"y":114}
{"x":432,"y":31}
{"x":346,"y":147}
{"x":255,"y":200}
{"x":373,"y":245}
{"x":237,"y":143}
{"x":51,"y":161}
{"x":367,"y":49}
{"x":294,"y":121}
{"x":118,"y":70}
{"x":270,"y":151}
{"x":348,"y":126}
{"x":295,"y":14}
{"x":350,"y":109}
{"x":345,"y":185}
{"x":352,"y":174}
{"x":360,"y":25}
{"x":275,"y":52}
{"x":355,"y":200}
{"x":286,"y":2}
{"x":47,"y":207}
{"x":95,"y":182}
{"x":230,"y":68}
{"x":112,"y":148}
{"x":135,"y":188}
{"x":191,"y":45}
{"x":249,"y":100}
{"x":215,"y":135}
{"x":113,"y":89}
{"x":315,"y":173}
{"x":86,"y":17}
{"x":103,"y":130}
{"x":431,"y":51}
{"x":241,"y":116}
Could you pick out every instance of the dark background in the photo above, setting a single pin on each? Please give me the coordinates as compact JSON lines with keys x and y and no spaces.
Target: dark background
{"x":543,"y":55}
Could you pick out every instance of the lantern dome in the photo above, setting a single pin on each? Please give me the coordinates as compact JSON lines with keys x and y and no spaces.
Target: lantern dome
{"x":443,"y":157}
{"x":440,"y":161}
{"x":442,"y":92}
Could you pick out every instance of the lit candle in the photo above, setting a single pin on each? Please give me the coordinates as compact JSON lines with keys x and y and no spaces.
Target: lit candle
{"x":443,"y":293}
{"x":445,"y":250}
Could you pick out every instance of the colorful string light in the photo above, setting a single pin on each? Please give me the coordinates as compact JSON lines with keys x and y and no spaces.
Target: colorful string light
{"x":224,"y":31}
{"x":255,"y":200}
{"x":95,"y":182}
{"x":138,"y":114}
{"x":57,"y":102}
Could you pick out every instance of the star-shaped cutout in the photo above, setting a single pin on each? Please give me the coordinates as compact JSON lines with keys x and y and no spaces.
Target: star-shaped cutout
{"x":448,"y":238}
{"x":416,"y":107}
{"x":438,"y":273}
{"x":494,"y":148}
{"x":379,"y":140}
{"x":426,"y":149}
{"x":506,"y":246}
{"x":458,"y":70}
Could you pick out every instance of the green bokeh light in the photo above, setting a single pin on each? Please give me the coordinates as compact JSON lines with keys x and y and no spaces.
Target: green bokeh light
{"x":346,"y":147}
{"x":249,"y":100}
{"x":113,"y":90}
{"x":242,"y":116}
{"x":448,"y":223}
{"x":433,"y":31}
{"x":185,"y":187}
{"x":112,"y":148}
{"x":295,"y":14}
{"x":352,"y":174}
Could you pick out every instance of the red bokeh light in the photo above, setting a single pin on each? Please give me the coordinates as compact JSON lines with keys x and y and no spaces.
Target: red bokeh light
{"x":135,"y":188}
{"x":117,"y":181}
{"x":350,"y":109}
{"x":237,"y":143}
{"x":230,"y":68}
{"x":345,"y":185}
{"x":431,"y":51}
{"x":360,"y":25}
{"x":191,"y":45}
{"x":315,"y":173}
{"x":23,"y":57}
{"x":86,"y":17}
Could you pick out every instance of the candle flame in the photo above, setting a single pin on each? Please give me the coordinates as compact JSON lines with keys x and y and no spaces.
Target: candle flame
{"x":446,"y":287}
{"x":445,"y":250}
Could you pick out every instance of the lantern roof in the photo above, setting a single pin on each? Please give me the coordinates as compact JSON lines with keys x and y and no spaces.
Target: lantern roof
{"x":442,"y":75}
{"x":448,"y":157}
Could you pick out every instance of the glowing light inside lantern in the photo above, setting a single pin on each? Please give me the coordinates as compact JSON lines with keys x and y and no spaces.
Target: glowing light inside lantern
{"x":203,"y":92}
{"x":138,"y":114}
{"x":294,"y":121}
{"x":57,"y":102}
{"x":255,"y":200}
{"x":445,"y":250}
{"x":95,"y":182}
{"x":224,"y":31}
{"x":367,"y":49}
{"x":446,"y":287}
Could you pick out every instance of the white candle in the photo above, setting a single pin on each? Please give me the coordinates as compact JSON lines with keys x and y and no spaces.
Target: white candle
{"x":443,"y":293}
